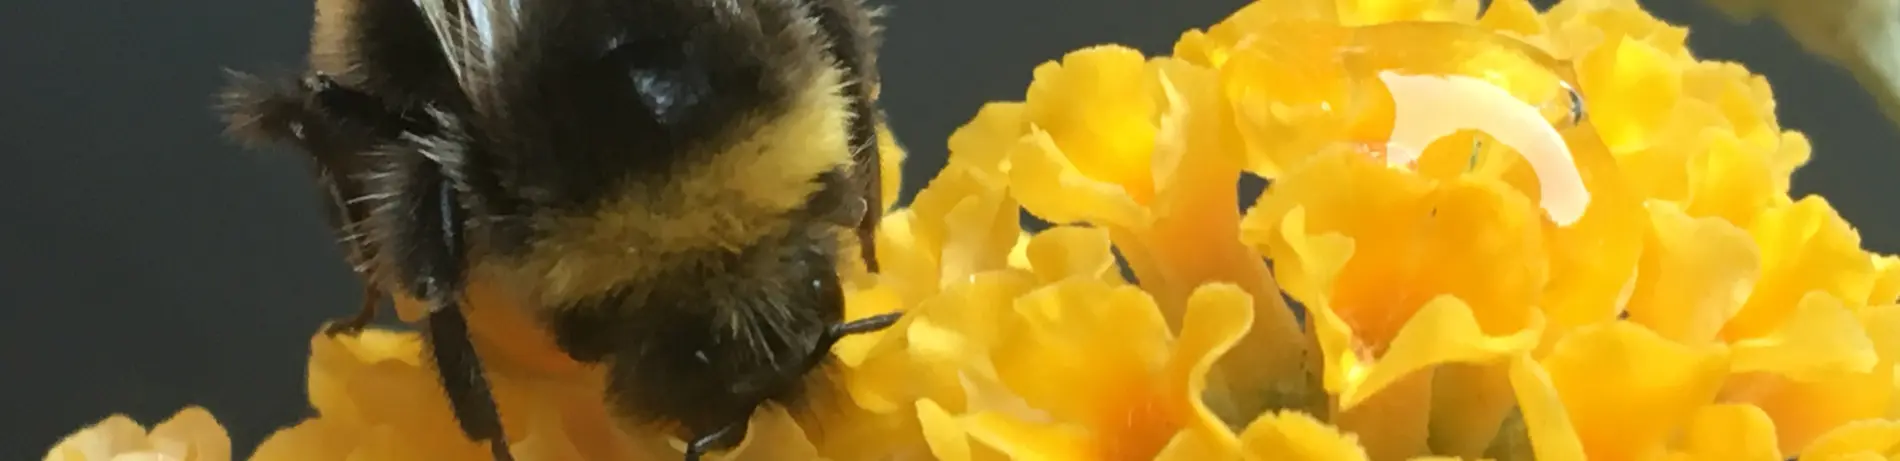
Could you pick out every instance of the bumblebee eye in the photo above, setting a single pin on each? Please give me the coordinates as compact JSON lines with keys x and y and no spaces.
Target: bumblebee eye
{"x":822,"y":282}
{"x":825,"y":285}
{"x":662,"y":75}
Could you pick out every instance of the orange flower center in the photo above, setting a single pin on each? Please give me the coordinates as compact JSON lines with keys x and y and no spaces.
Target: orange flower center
{"x":1140,"y":427}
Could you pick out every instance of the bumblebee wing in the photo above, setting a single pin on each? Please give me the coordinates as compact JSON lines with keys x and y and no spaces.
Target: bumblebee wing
{"x":869,"y":177}
{"x":853,"y":45}
{"x":473,"y":34}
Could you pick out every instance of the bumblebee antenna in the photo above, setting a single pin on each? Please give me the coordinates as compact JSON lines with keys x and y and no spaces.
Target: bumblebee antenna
{"x":838,"y":332}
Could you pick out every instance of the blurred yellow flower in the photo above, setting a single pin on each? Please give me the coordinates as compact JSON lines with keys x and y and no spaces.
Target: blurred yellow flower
{"x":190,"y":435}
{"x":1511,"y":235}
{"x":1871,"y":440}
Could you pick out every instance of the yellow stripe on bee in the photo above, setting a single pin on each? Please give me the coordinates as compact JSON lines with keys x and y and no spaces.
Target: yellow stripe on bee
{"x":731,"y":200}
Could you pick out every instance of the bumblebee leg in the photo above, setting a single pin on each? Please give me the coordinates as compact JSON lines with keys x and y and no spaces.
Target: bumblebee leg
{"x":725,"y":437}
{"x":442,"y":279}
{"x":363,"y":110}
{"x":461,"y":372}
{"x":372,"y":297}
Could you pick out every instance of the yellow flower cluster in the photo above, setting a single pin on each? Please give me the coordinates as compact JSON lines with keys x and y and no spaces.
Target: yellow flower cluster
{"x":191,"y":435}
{"x":1513,"y":235}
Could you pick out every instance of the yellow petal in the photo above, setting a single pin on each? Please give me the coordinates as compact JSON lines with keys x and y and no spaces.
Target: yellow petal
{"x":1731,"y":433}
{"x":399,"y":442}
{"x":1879,"y":438}
{"x":1632,"y":88}
{"x":378,"y":345}
{"x":1022,"y":440}
{"x":1477,"y":240}
{"x":1218,"y":316}
{"x":861,"y":302}
{"x":1294,"y":436}
{"x":924,"y":353}
{"x":1791,"y":153}
{"x":1308,"y":264}
{"x":1266,"y":16}
{"x":1553,"y":435}
{"x":1099,"y":106}
{"x":1069,"y":251}
{"x":1516,"y":16}
{"x":1393,"y":423}
{"x":1444,"y":331}
{"x":984,"y":142}
{"x":1593,"y":263}
{"x":943,"y":432}
{"x":1821,"y":338}
{"x":908,"y":261}
{"x":1804,"y":411}
{"x":193,"y":435}
{"x":1287,"y":96}
{"x":327,"y":377}
{"x":1470,"y":403}
{"x":1886,"y":281}
{"x":970,"y":218}
{"x":310,"y":439}
{"x":1883,"y":328}
{"x":1096,"y":359}
{"x":1194,"y":238}
{"x":1805,"y":246}
{"x":508,"y":337}
{"x":544,"y":446}
{"x":1192,"y":445}
{"x":1694,"y":276}
{"x":1626,"y":389}
{"x":1729,"y":182}
{"x":1588,"y":23}
{"x":1052,"y":187}
{"x":979,"y":313}
{"x":773,"y":436}
{"x":1069,"y":326}
{"x":843,"y":432}
{"x":1746,"y":103}
{"x":1019,"y":254}
{"x":1354,"y":13}
{"x":101,"y":441}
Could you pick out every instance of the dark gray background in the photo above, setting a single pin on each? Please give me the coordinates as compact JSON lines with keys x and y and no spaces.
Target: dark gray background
{"x":146,"y":264}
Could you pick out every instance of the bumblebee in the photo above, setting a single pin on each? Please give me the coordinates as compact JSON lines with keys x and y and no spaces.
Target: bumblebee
{"x":669,"y":184}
